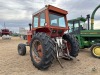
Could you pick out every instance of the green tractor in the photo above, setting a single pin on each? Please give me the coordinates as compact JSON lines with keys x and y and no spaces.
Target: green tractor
{"x":86,"y":35}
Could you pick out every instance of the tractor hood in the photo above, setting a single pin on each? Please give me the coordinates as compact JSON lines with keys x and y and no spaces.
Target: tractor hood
{"x":92,"y":33}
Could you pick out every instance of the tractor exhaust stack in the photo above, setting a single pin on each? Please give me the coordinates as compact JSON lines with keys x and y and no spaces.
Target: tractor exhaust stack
{"x":92,"y":16}
{"x":30,"y":26}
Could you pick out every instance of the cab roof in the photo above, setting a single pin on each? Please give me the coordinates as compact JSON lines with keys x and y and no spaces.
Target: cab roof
{"x":52,"y":8}
{"x":77,"y":19}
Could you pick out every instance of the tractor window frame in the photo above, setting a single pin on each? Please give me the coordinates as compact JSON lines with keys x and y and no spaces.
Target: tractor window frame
{"x":75,"y":26}
{"x":71,"y":27}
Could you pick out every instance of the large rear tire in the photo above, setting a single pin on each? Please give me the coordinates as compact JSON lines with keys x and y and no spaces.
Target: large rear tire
{"x":95,"y":50}
{"x":41,"y":51}
{"x":73,"y":45}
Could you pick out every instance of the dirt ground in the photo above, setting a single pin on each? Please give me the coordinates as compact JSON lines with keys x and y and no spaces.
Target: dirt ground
{"x":13,"y":64}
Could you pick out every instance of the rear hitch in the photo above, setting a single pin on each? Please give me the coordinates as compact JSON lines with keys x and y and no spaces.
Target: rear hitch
{"x":59,"y":52}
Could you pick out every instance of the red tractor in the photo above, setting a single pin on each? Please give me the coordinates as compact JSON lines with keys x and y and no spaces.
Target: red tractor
{"x":47,"y":40}
{"x":5,"y":34}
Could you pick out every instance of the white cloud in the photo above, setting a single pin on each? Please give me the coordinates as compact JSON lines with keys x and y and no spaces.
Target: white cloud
{"x":19,"y":12}
{"x":97,"y":24}
{"x":14,"y":15}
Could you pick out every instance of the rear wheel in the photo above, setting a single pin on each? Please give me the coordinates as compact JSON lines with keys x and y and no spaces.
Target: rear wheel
{"x":71,"y":44}
{"x":95,"y":50}
{"x":41,"y":51}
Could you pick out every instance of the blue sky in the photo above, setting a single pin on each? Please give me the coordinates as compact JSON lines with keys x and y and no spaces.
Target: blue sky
{"x":18,"y":13}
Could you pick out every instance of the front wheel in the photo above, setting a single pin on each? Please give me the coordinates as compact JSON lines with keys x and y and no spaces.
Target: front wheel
{"x":71,"y":44}
{"x":21,"y":49}
{"x":95,"y":50}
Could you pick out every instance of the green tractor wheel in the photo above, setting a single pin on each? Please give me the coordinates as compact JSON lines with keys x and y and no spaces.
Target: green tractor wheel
{"x":95,"y":50}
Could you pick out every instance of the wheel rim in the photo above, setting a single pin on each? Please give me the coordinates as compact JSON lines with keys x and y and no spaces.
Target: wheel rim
{"x":96,"y":51}
{"x":37,"y":51}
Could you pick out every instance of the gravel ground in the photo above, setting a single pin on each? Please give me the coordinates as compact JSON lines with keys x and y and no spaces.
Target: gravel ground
{"x":13,"y":64}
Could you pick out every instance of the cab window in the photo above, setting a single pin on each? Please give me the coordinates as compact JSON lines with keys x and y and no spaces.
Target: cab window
{"x":70,"y":27}
{"x":57,"y":20}
{"x":42,"y":19}
{"x":36,"y":21}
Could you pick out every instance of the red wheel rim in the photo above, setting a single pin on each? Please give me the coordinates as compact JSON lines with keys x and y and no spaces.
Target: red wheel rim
{"x":37,"y":51}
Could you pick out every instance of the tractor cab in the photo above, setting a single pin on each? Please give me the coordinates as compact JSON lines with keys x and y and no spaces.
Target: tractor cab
{"x":78,"y":24}
{"x":50,"y":20}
